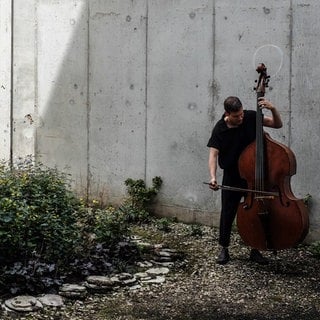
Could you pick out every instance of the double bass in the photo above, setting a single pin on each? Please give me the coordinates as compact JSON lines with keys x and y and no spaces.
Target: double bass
{"x":270,"y":217}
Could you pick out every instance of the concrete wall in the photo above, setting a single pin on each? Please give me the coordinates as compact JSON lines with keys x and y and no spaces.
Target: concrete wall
{"x":5,"y":78}
{"x":109,"y":90}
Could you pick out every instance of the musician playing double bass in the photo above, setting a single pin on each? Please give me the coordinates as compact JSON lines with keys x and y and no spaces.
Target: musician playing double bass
{"x":230,"y":136}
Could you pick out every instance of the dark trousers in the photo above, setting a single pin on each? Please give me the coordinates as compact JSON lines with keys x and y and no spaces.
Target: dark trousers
{"x":229,"y":204}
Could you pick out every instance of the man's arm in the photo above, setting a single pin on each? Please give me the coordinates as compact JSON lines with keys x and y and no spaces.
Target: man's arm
{"x":213,"y":163}
{"x":274,"y":121}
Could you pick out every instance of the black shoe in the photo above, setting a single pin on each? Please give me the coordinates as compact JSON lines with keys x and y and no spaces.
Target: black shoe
{"x":223,"y":256}
{"x":257,"y":257}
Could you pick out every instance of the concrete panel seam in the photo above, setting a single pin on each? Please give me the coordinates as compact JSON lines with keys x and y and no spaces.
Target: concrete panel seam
{"x":146,"y":94}
{"x":290,"y":72}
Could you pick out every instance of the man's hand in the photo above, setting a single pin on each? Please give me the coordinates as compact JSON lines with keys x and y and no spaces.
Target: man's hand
{"x":274,"y":121}
{"x":265,"y":104}
{"x":213,"y":185}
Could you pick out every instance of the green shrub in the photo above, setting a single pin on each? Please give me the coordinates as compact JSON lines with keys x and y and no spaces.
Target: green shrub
{"x":163,"y":224}
{"x":196,"y":230}
{"x":37,"y":212}
{"x":41,"y":218}
{"x":307,"y":199}
{"x":102,"y":226}
{"x":140,"y":197}
{"x":47,"y":233}
{"x":314,"y":248}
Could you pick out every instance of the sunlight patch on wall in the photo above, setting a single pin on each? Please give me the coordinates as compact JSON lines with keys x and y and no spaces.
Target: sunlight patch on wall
{"x":58,"y":45}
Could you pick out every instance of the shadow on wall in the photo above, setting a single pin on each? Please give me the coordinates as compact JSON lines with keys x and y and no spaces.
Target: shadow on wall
{"x":98,"y":117}
{"x":91,"y":92}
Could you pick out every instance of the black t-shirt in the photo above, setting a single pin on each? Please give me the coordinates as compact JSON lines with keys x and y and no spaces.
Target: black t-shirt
{"x":232,"y":141}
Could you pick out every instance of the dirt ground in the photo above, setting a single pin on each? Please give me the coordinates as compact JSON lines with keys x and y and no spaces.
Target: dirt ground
{"x":197,"y":288}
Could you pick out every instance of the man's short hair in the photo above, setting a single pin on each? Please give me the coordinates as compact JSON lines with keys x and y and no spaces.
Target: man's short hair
{"x":232,"y":104}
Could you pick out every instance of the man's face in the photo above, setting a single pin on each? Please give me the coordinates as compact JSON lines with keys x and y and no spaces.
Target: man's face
{"x":235,"y":118}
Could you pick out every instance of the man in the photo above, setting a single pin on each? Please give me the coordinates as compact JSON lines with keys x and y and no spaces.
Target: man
{"x":232,"y":133}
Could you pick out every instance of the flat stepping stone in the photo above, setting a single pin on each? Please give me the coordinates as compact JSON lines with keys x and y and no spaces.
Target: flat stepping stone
{"x":164,"y":254}
{"x":72,"y":287}
{"x":165,"y":264}
{"x":142,"y":275}
{"x":73,"y":291}
{"x":156,"y":280}
{"x":124,"y":279}
{"x":101,"y":281}
{"x":144,"y":264}
{"x":157,"y":271}
{"x":129,"y":282}
{"x":23,"y":304}
{"x":51,"y":300}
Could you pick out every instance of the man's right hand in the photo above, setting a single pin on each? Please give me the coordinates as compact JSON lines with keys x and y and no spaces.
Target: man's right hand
{"x":213,"y":185}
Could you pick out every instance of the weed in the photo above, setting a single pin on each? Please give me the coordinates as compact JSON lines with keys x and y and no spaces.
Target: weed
{"x":163,"y":224}
{"x":139,"y":198}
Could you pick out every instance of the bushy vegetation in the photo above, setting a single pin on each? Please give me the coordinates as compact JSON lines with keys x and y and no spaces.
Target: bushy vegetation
{"x":140,"y":197}
{"x":314,"y":248}
{"x":47,"y":233}
{"x":38,"y":213}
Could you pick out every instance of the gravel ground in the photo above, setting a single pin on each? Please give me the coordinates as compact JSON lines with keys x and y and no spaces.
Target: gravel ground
{"x":197,"y":288}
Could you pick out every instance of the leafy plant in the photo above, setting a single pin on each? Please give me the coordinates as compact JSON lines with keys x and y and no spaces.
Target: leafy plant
{"x":37,"y":212}
{"x":163,"y":224}
{"x":140,"y":197}
{"x":110,"y":226}
{"x":196,"y":230}
{"x":307,"y":199}
{"x":47,"y":233}
{"x":314,"y":248}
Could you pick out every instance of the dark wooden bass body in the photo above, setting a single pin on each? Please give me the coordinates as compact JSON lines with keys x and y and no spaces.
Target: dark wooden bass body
{"x":271,"y":223}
